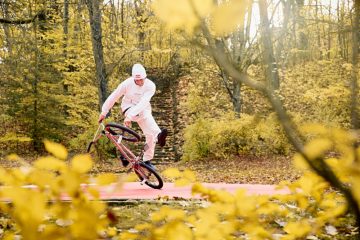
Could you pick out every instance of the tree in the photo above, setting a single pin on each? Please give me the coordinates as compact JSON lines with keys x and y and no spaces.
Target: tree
{"x":355,"y":118}
{"x":241,"y":50}
{"x":318,"y":164}
{"x":272,"y":75}
{"x":40,"y":15}
{"x":96,"y":35}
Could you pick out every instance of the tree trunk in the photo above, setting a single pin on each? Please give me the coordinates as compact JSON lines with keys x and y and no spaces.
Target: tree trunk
{"x":122,"y":20}
{"x":96,"y":37}
{"x":295,"y":16}
{"x":5,"y":10}
{"x":271,"y":70}
{"x":286,"y":11}
{"x":66,"y":26}
{"x":237,"y":97}
{"x":140,"y":25}
{"x":318,"y":29}
{"x":65,"y":46}
{"x":248,"y":21}
{"x":340,"y":28}
{"x":329,"y":34}
{"x":355,"y":62}
{"x":35,"y":136}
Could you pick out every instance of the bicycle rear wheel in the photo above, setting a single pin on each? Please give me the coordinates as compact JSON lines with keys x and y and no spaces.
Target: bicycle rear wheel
{"x":151,"y":177}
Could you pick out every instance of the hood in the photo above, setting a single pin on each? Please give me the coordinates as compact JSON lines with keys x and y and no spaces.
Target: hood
{"x":138,"y":71}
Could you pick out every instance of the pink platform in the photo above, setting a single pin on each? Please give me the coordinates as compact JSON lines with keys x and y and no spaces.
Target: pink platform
{"x":134,"y":190}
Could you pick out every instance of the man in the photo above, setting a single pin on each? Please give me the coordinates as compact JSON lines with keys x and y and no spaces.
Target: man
{"x":135,"y":105}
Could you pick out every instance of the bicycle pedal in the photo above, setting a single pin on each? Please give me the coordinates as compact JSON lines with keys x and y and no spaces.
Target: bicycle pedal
{"x":143,"y":181}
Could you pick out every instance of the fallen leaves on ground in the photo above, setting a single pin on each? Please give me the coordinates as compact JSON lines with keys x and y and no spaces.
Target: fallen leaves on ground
{"x":244,"y":169}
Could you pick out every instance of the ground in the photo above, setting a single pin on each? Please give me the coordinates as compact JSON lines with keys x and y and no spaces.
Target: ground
{"x":239,"y":169}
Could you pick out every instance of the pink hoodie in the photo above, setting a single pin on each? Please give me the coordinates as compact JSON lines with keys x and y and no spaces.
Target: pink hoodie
{"x":136,"y":98}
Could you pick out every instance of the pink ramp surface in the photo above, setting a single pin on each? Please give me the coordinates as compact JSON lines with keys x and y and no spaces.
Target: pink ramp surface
{"x":134,"y":190}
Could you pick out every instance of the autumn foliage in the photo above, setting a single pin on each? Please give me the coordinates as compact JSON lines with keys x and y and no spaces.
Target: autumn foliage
{"x":280,"y":89}
{"x":311,"y":208}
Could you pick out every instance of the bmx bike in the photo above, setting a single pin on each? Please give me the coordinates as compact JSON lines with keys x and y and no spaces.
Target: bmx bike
{"x":117,"y":133}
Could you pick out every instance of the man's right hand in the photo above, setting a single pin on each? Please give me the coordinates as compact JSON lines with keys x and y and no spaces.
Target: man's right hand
{"x":101,"y":118}
{"x":127,"y":123}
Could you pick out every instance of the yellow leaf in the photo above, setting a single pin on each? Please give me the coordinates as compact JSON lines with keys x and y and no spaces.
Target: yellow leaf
{"x":143,"y":226}
{"x":128,"y":236}
{"x":298,"y":229}
{"x":208,"y":221}
{"x":174,"y":228}
{"x":81,"y":163}
{"x":300,"y":163}
{"x":94,"y":192}
{"x":228,"y":16}
{"x":172,"y":172}
{"x":131,"y":178}
{"x":19,"y":175}
{"x":182,"y":14}
{"x":199,"y":188}
{"x":50,"y":163}
{"x":190,"y":175}
{"x":317,"y":147}
{"x":161,"y":214}
{"x":356,"y":188}
{"x":5,"y":177}
{"x":315,"y":129}
{"x":106,"y":179}
{"x":13,"y":157}
{"x":256,"y":231}
{"x":182,"y":182}
{"x":111,"y":232}
{"x":42,"y":178}
{"x":71,"y":183}
{"x":56,"y":149}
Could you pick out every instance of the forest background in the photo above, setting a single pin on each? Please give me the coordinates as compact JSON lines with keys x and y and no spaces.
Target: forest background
{"x":245,"y":77}
{"x":51,"y":87}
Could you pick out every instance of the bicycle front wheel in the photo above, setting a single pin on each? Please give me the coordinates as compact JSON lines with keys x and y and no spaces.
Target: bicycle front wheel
{"x":151,"y":177}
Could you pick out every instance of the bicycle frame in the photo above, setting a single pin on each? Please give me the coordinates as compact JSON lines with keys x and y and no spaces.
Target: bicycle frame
{"x":145,"y":173}
{"x":125,"y":151}
{"x":117,"y":141}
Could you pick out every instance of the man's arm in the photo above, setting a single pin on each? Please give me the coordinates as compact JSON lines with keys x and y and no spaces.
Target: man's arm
{"x":145,"y":100}
{"x":114,"y":96}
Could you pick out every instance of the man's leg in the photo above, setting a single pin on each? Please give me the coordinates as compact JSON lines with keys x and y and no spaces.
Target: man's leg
{"x":151,"y":130}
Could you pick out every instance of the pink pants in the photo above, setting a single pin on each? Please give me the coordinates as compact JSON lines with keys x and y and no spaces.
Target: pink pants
{"x":151,"y":130}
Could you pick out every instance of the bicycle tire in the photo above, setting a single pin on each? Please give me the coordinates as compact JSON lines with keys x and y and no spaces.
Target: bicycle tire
{"x":93,"y":151}
{"x":131,"y":135}
{"x":156,"y":185}
{"x":89,"y":147}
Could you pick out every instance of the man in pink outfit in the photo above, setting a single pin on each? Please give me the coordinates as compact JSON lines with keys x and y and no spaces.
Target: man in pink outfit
{"x":137,"y":91}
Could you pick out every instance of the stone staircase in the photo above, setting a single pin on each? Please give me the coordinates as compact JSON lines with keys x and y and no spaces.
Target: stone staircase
{"x":164,"y":112}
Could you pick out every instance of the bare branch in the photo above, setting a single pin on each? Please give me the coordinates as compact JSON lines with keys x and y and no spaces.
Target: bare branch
{"x":223,"y":61}
{"x":40,"y":15}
